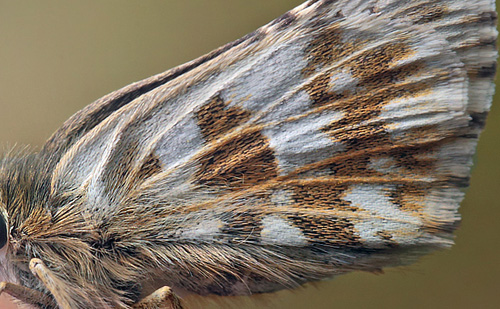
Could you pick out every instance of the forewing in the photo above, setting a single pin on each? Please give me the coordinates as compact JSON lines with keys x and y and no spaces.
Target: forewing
{"x":345,"y":129}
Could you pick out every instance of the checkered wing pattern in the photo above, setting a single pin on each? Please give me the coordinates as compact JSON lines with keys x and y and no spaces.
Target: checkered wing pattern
{"x":338,"y":137}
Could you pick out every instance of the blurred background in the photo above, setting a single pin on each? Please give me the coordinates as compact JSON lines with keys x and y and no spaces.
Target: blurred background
{"x":58,"y":56}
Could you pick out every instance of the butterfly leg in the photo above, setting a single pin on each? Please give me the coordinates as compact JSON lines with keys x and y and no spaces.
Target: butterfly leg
{"x":163,"y":298}
{"x":26,"y":295}
{"x":45,"y":275}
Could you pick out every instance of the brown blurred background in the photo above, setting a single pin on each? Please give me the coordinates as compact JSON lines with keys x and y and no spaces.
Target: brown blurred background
{"x":58,"y":56}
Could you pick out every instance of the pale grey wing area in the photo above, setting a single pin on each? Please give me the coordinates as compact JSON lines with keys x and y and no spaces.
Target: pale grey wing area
{"x":338,"y":137}
{"x":111,"y":144}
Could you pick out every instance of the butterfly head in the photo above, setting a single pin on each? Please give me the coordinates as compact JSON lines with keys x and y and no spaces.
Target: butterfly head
{"x":5,"y":274}
{"x":4,"y":230}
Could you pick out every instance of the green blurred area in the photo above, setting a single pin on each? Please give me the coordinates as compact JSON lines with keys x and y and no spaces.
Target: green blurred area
{"x":58,"y":56}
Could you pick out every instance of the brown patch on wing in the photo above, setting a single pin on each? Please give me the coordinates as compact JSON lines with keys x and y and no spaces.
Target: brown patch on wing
{"x":418,"y":157}
{"x":117,"y":175}
{"x":373,"y":66}
{"x":487,"y":72}
{"x":216,"y":119}
{"x":410,"y":196}
{"x":358,"y":166}
{"x":361,"y":137}
{"x":329,"y":230}
{"x":386,"y":236}
{"x":150,"y":167}
{"x":439,"y":227}
{"x":378,"y":85}
{"x":241,"y":161}
{"x":326,"y":196}
{"x":420,"y":135}
{"x":427,"y":13}
{"x":373,"y":70}
{"x":243,"y":226}
{"x":416,"y":160}
{"x":326,"y":48}
{"x":122,"y":174}
{"x":319,"y":90}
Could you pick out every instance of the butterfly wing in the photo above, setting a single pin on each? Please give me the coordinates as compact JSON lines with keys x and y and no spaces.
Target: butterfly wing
{"x":338,"y":137}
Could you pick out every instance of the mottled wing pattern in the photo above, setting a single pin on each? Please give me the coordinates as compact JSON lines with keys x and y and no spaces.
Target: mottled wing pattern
{"x":338,"y":137}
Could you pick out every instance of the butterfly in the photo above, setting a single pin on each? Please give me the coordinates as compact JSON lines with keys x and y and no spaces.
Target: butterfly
{"x":336,"y":138}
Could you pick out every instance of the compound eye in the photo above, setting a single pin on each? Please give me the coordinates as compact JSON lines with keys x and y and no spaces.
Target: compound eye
{"x":3,"y":232}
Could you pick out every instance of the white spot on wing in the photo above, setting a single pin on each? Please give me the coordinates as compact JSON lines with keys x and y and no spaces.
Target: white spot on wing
{"x":342,"y":82}
{"x":179,"y":143}
{"x":278,"y":231}
{"x":301,"y":142}
{"x":206,"y":229}
{"x":384,"y":216}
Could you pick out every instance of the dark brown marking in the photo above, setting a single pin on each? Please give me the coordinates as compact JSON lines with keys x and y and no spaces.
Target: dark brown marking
{"x":490,"y":16}
{"x":243,"y":226}
{"x":384,"y":235}
{"x":373,"y":67}
{"x":439,"y":227}
{"x":428,"y":13}
{"x":358,"y":166}
{"x":378,"y":84}
{"x":118,"y":172}
{"x":418,"y":159}
{"x":387,"y":238}
{"x":478,"y":120}
{"x":360,"y":137}
{"x":123,"y":170}
{"x":333,"y":231}
{"x":420,"y":135}
{"x":325,"y":196}
{"x":410,"y":197}
{"x":215,"y":119}
{"x":284,"y":20}
{"x":409,"y":161}
{"x":326,"y":48}
{"x":150,"y":167}
{"x":373,"y":10}
{"x":488,"y":71}
{"x":319,"y":92}
{"x":242,"y":161}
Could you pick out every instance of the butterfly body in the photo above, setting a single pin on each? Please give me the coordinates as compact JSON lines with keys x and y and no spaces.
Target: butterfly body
{"x":337,"y":138}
